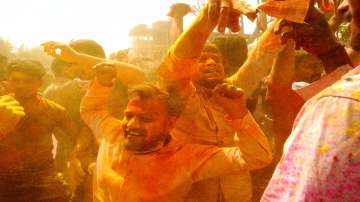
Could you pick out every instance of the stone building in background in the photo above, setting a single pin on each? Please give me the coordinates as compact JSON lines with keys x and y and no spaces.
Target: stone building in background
{"x":149,"y":43}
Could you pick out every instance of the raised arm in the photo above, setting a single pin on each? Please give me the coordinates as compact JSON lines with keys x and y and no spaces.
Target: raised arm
{"x":251,"y":141}
{"x":253,"y":149}
{"x":94,"y":110}
{"x":10,"y":114}
{"x":251,"y":138}
{"x":179,"y":65}
{"x":127,"y":73}
{"x":191,"y":42}
{"x":259,"y":62}
{"x":285,"y":103}
{"x":176,"y":14}
{"x":316,"y":37}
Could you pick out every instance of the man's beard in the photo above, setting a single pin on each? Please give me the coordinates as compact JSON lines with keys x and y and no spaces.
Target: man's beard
{"x":136,"y":142}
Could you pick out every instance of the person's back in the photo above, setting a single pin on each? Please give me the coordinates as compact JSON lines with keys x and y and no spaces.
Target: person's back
{"x":67,"y":93}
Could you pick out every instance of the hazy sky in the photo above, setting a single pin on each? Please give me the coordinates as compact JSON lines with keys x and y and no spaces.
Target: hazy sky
{"x":31,"y":22}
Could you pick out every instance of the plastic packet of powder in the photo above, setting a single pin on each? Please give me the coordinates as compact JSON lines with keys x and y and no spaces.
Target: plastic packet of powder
{"x":244,"y":8}
{"x":291,"y":10}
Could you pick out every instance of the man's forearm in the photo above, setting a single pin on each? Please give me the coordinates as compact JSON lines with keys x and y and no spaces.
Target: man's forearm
{"x":259,"y":62}
{"x":129,"y":74}
{"x":192,"y":40}
{"x":94,"y":103}
{"x":283,"y":69}
{"x":176,"y":69}
{"x":252,"y":142}
{"x":88,"y":60}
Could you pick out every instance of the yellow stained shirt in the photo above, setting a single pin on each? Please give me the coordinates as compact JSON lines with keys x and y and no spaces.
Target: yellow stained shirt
{"x":202,"y":122}
{"x":166,"y":173}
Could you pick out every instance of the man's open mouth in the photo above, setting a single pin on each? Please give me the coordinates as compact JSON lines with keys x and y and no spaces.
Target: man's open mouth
{"x":135,"y":134}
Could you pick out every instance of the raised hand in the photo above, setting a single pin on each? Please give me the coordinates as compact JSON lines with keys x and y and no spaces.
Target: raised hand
{"x":60,"y":50}
{"x":10,"y":114}
{"x":314,"y":36}
{"x":105,"y":73}
{"x":179,"y":10}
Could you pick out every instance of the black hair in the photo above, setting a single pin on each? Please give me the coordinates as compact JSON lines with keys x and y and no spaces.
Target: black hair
{"x":89,"y":47}
{"x":174,"y":103}
{"x":30,"y":67}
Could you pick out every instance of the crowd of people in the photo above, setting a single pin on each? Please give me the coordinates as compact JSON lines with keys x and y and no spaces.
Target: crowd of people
{"x":284,"y":125}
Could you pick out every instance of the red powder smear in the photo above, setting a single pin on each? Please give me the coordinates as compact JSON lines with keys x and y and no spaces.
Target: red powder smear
{"x":350,"y":156}
{"x":327,"y":5}
{"x":336,"y":158}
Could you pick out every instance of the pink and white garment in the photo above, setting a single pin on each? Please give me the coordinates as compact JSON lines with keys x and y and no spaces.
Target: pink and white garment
{"x":321,"y":160}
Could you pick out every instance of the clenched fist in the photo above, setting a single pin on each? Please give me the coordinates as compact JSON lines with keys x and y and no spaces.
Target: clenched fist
{"x":10,"y":114}
{"x":231,"y":99}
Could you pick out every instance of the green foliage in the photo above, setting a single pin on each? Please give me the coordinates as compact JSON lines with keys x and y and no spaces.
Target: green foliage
{"x":35,"y":53}
{"x":8,"y":51}
{"x":6,"y":47}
